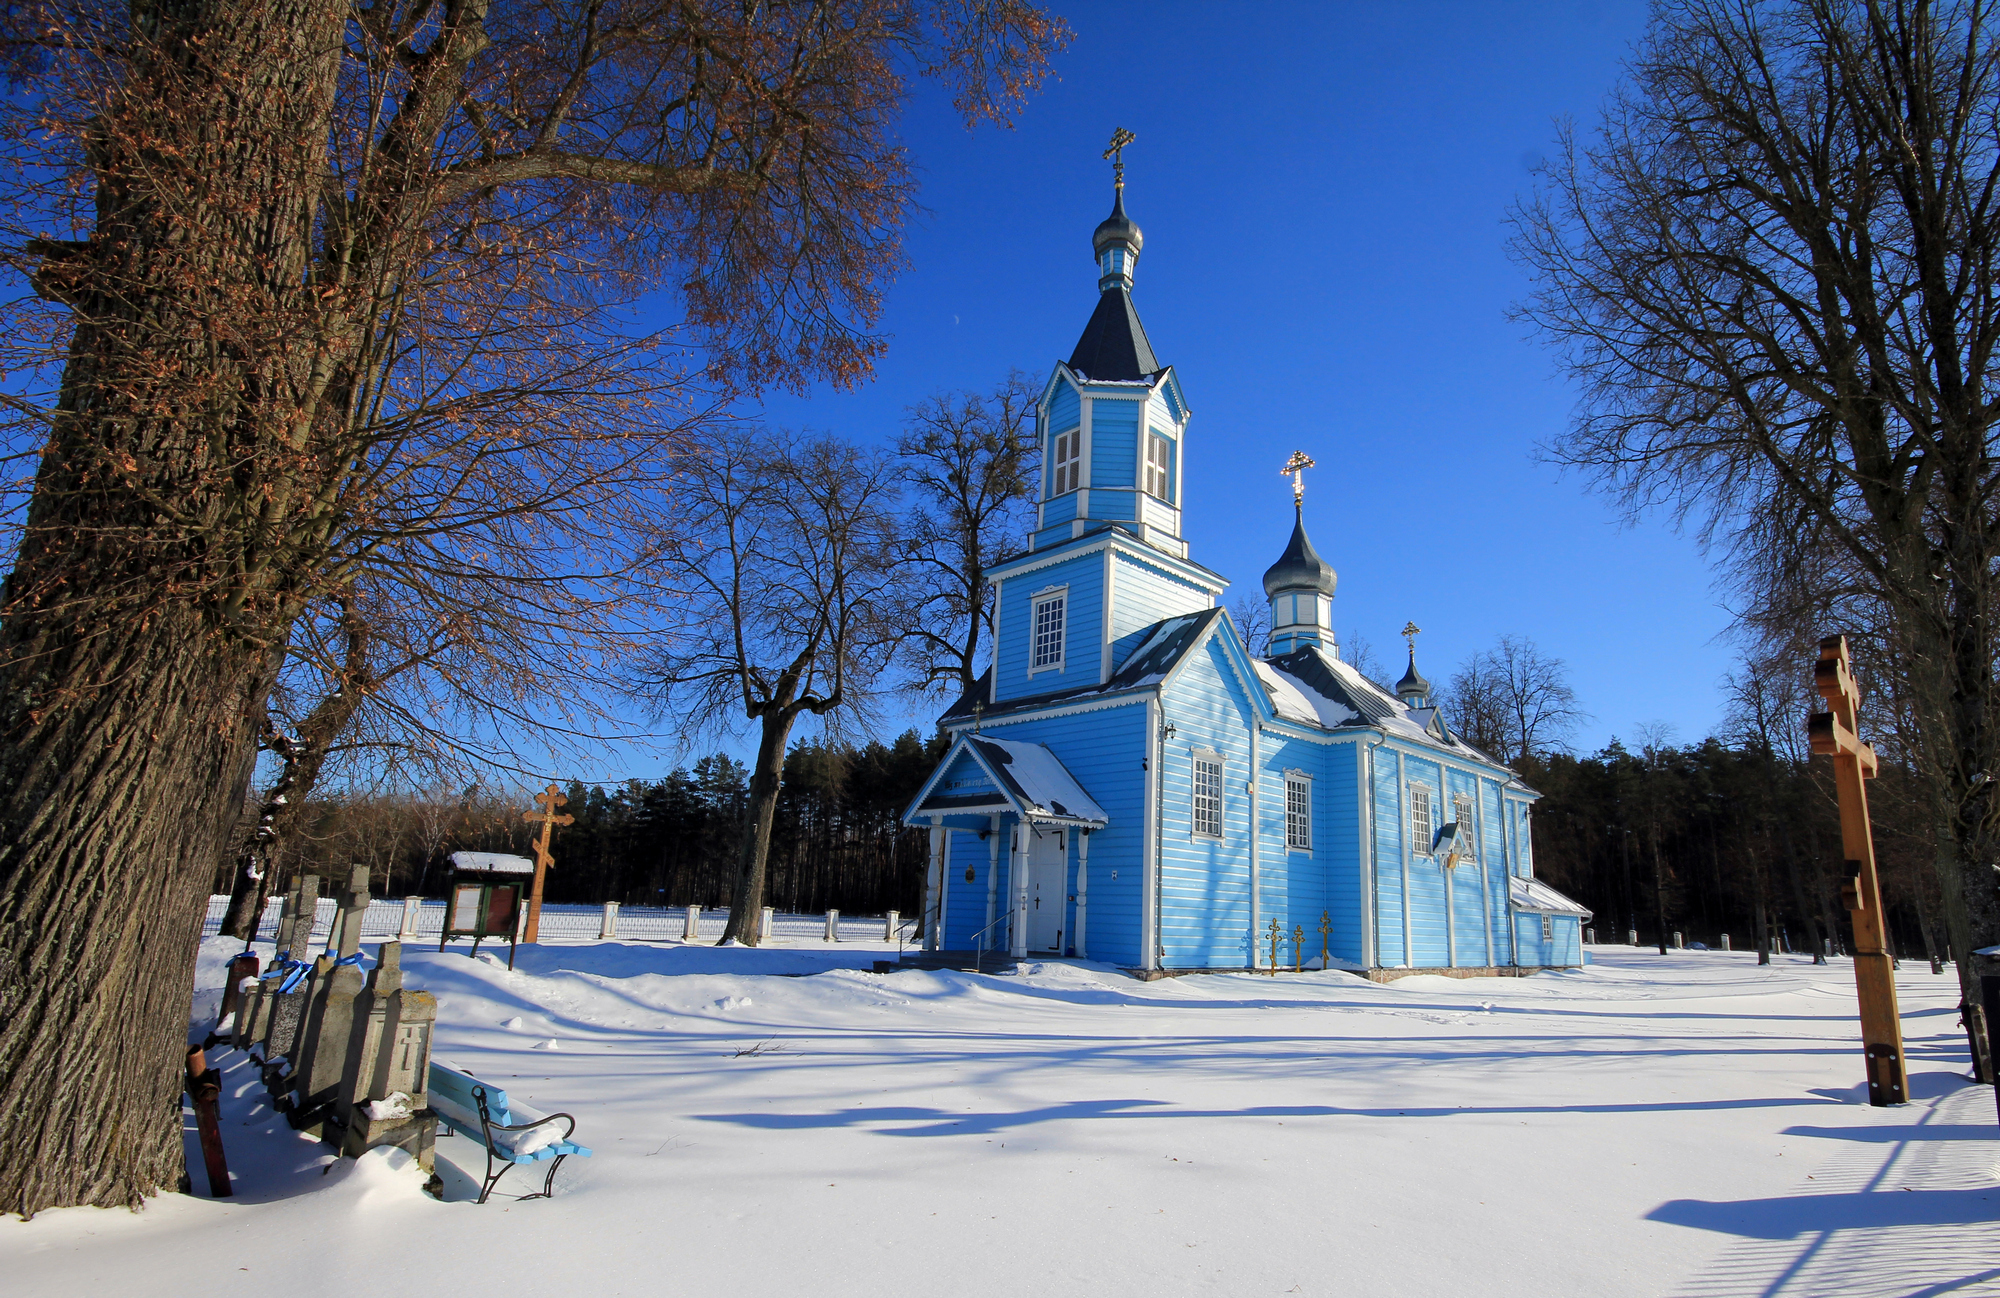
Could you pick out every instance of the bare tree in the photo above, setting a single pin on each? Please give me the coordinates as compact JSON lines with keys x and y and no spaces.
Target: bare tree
{"x":971,"y":460}
{"x":1513,"y":700}
{"x":1253,"y":623}
{"x":784,"y":560}
{"x":1772,"y":271}
{"x":319,"y":280}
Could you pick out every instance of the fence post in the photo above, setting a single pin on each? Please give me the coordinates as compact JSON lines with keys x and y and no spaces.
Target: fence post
{"x":832,"y":925}
{"x":1725,"y":941}
{"x":1631,"y":937}
{"x":409,"y":928}
{"x":1677,"y":939}
{"x":889,"y":926}
{"x":608,"y":926}
{"x":1590,"y":937}
{"x":691,"y":931}
{"x":764,"y":924}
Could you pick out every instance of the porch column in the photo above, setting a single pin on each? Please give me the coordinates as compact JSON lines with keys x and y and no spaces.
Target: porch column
{"x":1082,"y":891}
{"x":934,"y":885}
{"x":995,"y":828}
{"x":1017,"y":873}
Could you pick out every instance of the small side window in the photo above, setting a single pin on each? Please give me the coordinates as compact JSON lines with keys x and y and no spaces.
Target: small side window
{"x":1423,"y":831}
{"x":1049,"y":624}
{"x":1207,"y":797}
{"x":1548,"y":929}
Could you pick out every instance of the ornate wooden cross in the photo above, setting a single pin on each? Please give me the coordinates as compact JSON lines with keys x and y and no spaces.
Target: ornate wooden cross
{"x":1295,"y":469}
{"x":1834,"y":733}
{"x":549,"y":798}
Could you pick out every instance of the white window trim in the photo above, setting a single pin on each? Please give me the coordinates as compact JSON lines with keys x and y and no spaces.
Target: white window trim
{"x":1196,"y":756}
{"x":1146,"y":467}
{"x":1075,"y":437}
{"x":1424,"y":844}
{"x":1548,"y":928}
{"x":1465,"y":810}
{"x":1291,"y":778}
{"x":1035,"y":603}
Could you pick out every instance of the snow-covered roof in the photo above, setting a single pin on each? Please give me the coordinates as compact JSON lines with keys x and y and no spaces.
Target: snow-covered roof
{"x":1535,"y":896}
{"x":1312,"y":681}
{"x":491,"y":863}
{"x":1028,"y":780}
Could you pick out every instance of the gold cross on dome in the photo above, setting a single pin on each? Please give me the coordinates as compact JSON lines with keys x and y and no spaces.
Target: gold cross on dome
{"x":1119,"y":139}
{"x":1410,"y":633}
{"x":1295,"y":469}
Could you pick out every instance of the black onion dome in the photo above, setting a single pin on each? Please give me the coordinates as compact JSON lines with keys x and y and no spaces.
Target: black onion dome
{"x":1116,"y":228}
{"x":1413,"y":681}
{"x":1300,"y":567}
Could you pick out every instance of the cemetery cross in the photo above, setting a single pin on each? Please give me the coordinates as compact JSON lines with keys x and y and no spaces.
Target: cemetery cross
{"x":549,"y":798}
{"x":1835,"y":733}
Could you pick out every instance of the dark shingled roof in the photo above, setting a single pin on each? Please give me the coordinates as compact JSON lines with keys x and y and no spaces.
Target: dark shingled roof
{"x":1305,"y":665}
{"x":1299,"y":567}
{"x":1114,"y":346}
{"x":1164,"y":643}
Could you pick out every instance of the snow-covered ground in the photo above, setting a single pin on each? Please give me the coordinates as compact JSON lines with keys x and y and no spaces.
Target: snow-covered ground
{"x":1686,"y":1125}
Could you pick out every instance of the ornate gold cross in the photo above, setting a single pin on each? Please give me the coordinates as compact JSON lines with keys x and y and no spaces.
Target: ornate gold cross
{"x":1410,"y":633}
{"x":549,"y":798}
{"x":1119,"y":139}
{"x":1295,"y":469}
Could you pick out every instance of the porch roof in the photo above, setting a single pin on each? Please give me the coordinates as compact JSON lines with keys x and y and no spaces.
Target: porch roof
{"x":1027,"y":779}
{"x":1536,"y":897}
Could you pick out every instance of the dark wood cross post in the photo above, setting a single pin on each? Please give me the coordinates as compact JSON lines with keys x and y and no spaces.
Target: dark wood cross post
{"x":549,"y":798}
{"x":1834,"y":733}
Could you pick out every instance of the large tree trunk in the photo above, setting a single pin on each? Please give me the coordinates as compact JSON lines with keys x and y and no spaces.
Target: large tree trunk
{"x":746,"y":905}
{"x":141,"y":620}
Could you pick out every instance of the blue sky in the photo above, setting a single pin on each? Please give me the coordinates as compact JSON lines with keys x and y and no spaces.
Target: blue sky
{"x":1322,"y":190}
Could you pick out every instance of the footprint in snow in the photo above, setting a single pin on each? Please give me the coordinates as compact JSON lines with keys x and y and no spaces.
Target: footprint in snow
{"x":550,"y":1044}
{"x":734,"y":1003}
{"x":513,"y":1024}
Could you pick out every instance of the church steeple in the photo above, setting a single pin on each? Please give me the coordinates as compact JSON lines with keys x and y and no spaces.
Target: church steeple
{"x":1413,"y":689}
{"x":1114,"y":345}
{"x":1300,"y":584}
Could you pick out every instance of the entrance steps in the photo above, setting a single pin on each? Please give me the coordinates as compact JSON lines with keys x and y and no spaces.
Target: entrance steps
{"x":965,"y":961}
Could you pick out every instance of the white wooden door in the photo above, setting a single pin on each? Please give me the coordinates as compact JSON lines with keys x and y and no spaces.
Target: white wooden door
{"x":1047,"y":862}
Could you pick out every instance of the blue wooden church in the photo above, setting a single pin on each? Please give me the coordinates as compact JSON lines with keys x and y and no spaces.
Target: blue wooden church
{"x":1128,"y":783}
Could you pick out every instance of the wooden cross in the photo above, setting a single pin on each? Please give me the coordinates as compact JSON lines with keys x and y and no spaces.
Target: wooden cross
{"x":549,"y":798}
{"x":1295,"y":469}
{"x":1325,"y":927}
{"x":1835,"y":733}
{"x":1274,"y":947}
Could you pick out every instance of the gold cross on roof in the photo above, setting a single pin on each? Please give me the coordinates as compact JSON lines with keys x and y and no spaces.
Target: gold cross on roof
{"x":1119,"y":139}
{"x":1295,"y":469}
{"x":1410,"y":633}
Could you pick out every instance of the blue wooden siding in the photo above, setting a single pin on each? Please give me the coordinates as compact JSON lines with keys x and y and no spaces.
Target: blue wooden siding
{"x":1120,"y":504}
{"x":1059,"y":509}
{"x":1104,"y":751}
{"x":1390,"y":951}
{"x":1299,"y":887}
{"x":1064,"y":409}
{"x":1493,"y":845}
{"x":1428,"y":929}
{"x":1083,"y":628}
{"x":1564,"y":949}
{"x":1205,"y":884}
{"x":1170,"y":392}
{"x":1141,"y":595}
{"x":1114,"y":444}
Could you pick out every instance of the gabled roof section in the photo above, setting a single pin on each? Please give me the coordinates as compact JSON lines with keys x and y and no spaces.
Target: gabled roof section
{"x":1114,"y":345}
{"x":1313,"y":688}
{"x":1536,"y":897}
{"x":1166,"y":643}
{"x":1026,"y":779}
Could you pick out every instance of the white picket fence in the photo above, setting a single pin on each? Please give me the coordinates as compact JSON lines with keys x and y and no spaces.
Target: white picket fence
{"x":386,"y":919}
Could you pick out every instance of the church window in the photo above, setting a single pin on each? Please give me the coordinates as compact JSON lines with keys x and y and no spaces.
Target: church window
{"x":1207,"y":796}
{"x":1159,"y":467}
{"x":1468,"y":833}
{"x":1048,"y":632}
{"x":1068,"y":460}
{"x":1298,"y":814}
{"x":1421,"y":831}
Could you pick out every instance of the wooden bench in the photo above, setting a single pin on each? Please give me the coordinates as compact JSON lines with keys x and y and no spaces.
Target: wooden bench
{"x":512,"y":1134}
